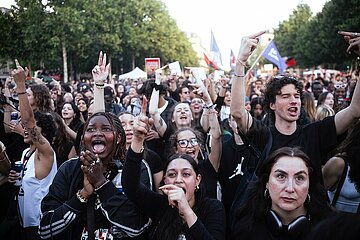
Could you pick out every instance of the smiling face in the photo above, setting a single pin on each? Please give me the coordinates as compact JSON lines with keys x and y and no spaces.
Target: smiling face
{"x":181,"y":173}
{"x":127,"y":121}
{"x":287,"y":104}
{"x":182,"y":115}
{"x":99,"y":137}
{"x":187,"y":143}
{"x":288,"y":186}
{"x":67,"y":111}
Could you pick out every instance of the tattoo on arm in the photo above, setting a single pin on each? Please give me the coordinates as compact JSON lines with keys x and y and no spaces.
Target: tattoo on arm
{"x":35,"y":135}
{"x":161,"y":122}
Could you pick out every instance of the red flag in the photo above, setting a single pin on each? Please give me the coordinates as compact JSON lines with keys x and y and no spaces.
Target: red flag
{"x":232,"y":60}
{"x":290,"y":62}
{"x":210,"y":63}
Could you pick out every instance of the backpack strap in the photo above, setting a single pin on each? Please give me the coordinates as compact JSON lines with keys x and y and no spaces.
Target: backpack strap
{"x":340,"y":184}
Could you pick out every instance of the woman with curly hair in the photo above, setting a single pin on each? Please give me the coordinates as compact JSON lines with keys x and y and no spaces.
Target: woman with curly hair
{"x":39,"y":98}
{"x":39,"y":160}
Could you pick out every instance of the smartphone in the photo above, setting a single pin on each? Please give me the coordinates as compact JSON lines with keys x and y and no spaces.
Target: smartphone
{"x":14,"y":117}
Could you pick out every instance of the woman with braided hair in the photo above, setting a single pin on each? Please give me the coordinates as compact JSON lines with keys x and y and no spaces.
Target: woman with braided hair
{"x":85,"y":200}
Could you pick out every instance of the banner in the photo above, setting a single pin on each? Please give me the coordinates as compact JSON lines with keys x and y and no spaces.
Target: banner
{"x":151,"y":64}
{"x":272,"y":54}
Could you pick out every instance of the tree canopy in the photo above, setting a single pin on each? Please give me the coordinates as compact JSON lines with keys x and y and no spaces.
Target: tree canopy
{"x":127,"y":30}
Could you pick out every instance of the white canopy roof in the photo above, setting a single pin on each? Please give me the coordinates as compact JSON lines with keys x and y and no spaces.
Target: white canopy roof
{"x":134,"y":74}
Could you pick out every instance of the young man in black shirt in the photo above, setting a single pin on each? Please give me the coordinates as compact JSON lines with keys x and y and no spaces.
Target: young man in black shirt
{"x":283,"y":102}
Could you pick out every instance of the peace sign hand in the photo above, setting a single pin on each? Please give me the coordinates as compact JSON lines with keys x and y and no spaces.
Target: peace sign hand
{"x":101,"y":71}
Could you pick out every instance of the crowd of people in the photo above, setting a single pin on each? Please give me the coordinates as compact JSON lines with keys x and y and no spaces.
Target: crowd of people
{"x":242,"y":157}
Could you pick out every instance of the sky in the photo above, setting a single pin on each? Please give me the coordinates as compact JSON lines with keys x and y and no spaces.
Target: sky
{"x":229,"y":20}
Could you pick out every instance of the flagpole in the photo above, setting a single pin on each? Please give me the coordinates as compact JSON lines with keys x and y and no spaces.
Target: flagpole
{"x":257,"y":59}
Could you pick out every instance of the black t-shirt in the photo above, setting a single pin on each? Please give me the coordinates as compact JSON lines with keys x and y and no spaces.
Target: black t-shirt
{"x":233,"y":162}
{"x":315,"y":139}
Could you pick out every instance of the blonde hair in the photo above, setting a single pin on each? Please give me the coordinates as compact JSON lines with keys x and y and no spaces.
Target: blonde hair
{"x":324,"y":111}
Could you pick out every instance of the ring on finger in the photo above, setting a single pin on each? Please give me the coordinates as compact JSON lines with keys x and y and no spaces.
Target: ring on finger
{"x":97,"y":160}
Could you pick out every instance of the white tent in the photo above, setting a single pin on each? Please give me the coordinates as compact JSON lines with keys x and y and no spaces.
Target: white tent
{"x":134,"y":74}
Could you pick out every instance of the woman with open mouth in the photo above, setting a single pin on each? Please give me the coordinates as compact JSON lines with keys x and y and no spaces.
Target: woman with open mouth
{"x":86,"y":200}
{"x":182,"y":211}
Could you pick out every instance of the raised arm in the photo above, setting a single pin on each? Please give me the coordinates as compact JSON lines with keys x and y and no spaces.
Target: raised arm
{"x":100,"y":73}
{"x":45,"y":151}
{"x":159,"y":122}
{"x":216,"y":143}
{"x":345,"y":117}
{"x":237,"y":107}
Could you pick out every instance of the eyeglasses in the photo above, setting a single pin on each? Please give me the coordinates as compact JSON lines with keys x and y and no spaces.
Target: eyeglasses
{"x":341,"y":85}
{"x":184,"y":143}
{"x":196,"y":101}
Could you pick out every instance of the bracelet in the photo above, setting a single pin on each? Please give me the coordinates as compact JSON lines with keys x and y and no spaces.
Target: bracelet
{"x":211,"y":106}
{"x":241,"y":63}
{"x":239,"y":76}
{"x":100,"y":86}
{"x":104,"y":183}
{"x":20,"y":93}
{"x":80,"y":197}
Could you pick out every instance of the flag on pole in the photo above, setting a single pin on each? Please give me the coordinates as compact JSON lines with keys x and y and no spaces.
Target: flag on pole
{"x":216,"y":51}
{"x":272,"y":54}
{"x":232,"y":60}
{"x":210,"y":63}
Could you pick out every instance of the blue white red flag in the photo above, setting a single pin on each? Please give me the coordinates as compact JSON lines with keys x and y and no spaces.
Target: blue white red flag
{"x":216,"y":51}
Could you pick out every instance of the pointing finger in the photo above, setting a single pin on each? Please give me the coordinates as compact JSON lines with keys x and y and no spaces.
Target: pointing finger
{"x":144,"y":106}
{"x":258,"y":34}
{"x":17,"y":63}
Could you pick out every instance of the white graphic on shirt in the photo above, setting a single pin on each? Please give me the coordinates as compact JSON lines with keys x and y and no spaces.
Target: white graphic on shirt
{"x":237,"y":170}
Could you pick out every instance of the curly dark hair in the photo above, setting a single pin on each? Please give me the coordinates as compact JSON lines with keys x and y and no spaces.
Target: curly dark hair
{"x":273,"y":88}
{"x":46,"y":122}
{"x":119,"y":149}
{"x":350,"y":147}
{"x":170,"y":224}
{"x":42,"y":97}
{"x":256,"y":206}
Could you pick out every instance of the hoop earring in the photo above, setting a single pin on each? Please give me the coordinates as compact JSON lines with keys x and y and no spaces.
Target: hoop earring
{"x":307,"y":200}
{"x":266,"y":193}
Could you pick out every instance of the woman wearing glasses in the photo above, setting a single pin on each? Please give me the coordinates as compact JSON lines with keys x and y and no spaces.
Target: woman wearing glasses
{"x":189,"y":141}
{"x":182,"y":211}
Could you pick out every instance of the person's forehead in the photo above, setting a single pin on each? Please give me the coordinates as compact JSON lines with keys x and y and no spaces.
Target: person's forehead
{"x":179,"y":164}
{"x":187,"y":134}
{"x":182,"y":105}
{"x":98,"y":119}
{"x":126,"y":117}
{"x":289,"y":163}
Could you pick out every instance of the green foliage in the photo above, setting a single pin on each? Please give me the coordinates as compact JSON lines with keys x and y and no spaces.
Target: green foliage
{"x":127,"y":30}
{"x":314,"y":41}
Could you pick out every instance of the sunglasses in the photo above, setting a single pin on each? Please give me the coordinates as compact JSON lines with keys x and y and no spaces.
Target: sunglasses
{"x":337,"y":86}
{"x":184,"y":143}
